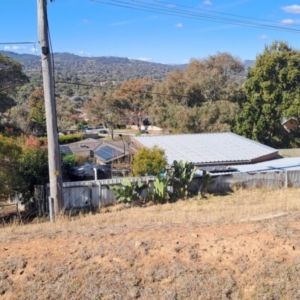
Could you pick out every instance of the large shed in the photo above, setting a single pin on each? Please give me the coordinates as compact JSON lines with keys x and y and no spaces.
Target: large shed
{"x":208,"y":149}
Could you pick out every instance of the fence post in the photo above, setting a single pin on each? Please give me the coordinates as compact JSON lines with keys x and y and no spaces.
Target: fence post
{"x":50,"y":209}
{"x":91,"y":195}
{"x":100,"y":195}
{"x":18,"y":211}
{"x":285,"y":179}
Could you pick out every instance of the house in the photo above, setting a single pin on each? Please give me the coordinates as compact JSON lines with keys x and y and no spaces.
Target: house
{"x":109,"y":152}
{"x":105,"y":152}
{"x":289,"y":124}
{"x":209,"y":149}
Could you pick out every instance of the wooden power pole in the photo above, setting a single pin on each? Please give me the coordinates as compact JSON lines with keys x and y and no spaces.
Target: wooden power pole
{"x":54,"y":160}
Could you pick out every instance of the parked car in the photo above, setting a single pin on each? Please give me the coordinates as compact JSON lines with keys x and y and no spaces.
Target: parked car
{"x":86,"y":172}
{"x":103,"y":131}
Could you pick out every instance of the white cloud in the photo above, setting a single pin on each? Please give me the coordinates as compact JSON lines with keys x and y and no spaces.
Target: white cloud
{"x":145,"y":58}
{"x":82,"y":53}
{"x":287,"y":21}
{"x":185,"y":61}
{"x":231,"y":4}
{"x":263,"y":37}
{"x":122,"y":23}
{"x":290,"y":21}
{"x":207,"y":2}
{"x":14,"y":48}
{"x":293,"y":9}
{"x":85,"y":20}
{"x":179,"y":25}
{"x":171,"y":5}
{"x":216,"y":28}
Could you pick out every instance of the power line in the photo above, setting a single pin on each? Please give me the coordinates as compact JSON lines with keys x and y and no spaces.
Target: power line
{"x":17,"y":43}
{"x":177,"y":12}
{"x":222,"y":13}
{"x":190,"y":15}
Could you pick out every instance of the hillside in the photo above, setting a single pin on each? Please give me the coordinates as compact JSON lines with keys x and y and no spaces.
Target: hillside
{"x":98,"y":69}
{"x":94,"y":69}
{"x":248,"y":63}
{"x":239,"y":246}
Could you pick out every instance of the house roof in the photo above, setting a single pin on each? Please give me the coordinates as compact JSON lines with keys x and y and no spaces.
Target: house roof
{"x":82,"y":147}
{"x":209,"y":148}
{"x":275,"y":165}
{"x":105,"y":151}
{"x":282,"y":164}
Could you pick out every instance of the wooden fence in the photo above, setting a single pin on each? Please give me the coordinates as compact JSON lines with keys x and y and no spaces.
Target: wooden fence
{"x":94,"y":194}
{"x":84,"y":194}
{"x":7,"y":211}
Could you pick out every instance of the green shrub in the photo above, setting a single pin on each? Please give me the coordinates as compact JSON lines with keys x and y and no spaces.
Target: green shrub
{"x":43,"y":140}
{"x":181,"y":174}
{"x":80,"y":125}
{"x":70,"y":138}
{"x":160,"y":190}
{"x":68,"y":159}
{"x":65,"y":139}
{"x":149,"y":161}
{"x":205,"y":182}
{"x":128,"y":192}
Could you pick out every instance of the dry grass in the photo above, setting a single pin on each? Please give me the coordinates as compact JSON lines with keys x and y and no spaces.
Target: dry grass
{"x":245,"y":245}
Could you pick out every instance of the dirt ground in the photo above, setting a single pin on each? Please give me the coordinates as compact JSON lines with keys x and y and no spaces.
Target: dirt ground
{"x":245,"y":246}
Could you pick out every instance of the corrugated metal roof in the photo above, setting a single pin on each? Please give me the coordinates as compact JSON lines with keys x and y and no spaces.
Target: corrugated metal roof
{"x":281,"y":164}
{"x":276,"y":165}
{"x":208,"y":147}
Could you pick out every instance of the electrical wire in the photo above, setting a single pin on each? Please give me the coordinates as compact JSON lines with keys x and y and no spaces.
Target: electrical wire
{"x":211,"y":18}
{"x":17,"y":43}
{"x":190,"y":15}
{"x":221,"y":13}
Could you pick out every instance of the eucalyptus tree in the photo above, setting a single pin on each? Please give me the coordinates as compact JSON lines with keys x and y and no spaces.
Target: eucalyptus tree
{"x":272,"y":93}
{"x":201,"y":98}
{"x":11,"y":77}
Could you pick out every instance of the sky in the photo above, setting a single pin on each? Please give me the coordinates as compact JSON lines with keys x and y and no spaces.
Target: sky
{"x":166,"y":31}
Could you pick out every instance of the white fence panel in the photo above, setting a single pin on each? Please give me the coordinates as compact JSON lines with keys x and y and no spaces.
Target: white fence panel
{"x":278,"y":179}
{"x":94,"y":193}
{"x":293,"y":179}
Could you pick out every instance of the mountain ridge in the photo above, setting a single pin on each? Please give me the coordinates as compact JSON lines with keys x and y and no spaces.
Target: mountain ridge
{"x":69,"y":66}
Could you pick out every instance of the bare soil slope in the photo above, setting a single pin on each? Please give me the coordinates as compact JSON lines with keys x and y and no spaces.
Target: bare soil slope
{"x":240,"y":246}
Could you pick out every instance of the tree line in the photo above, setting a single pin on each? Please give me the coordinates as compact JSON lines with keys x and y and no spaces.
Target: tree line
{"x":215,"y":94}
{"x":210,"y":95}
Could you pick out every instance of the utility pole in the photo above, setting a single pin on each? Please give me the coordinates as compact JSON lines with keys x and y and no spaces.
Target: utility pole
{"x":54,"y":160}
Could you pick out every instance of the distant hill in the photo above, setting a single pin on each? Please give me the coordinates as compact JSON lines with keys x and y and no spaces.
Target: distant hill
{"x":248,"y":63}
{"x":73,"y":67}
{"x":95,"y":69}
